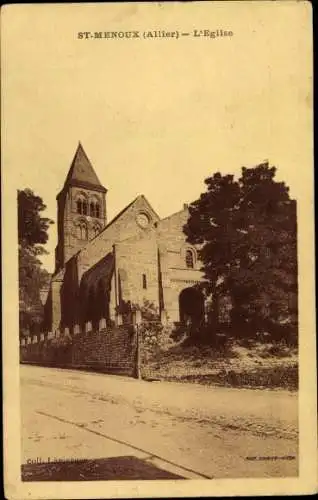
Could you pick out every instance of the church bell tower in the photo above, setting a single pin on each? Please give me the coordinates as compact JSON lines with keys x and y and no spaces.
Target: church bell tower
{"x":81,"y":208}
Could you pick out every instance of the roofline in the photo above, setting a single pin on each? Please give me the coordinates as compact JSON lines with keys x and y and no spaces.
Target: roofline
{"x":104,"y":229}
{"x":123,"y":211}
{"x":175,"y":213}
{"x":154,"y":211}
{"x":111,"y":222}
{"x":96,"y":187}
{"x":81,"y":184}
{"x":109,"y":255}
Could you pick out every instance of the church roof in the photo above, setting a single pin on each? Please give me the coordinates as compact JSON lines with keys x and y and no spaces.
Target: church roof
{"x":82,"y":173}
{"x":102,"y":271}
{"x":123,"y":211}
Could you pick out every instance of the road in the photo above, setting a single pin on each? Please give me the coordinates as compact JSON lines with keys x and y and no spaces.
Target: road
{"x":83,"y":425}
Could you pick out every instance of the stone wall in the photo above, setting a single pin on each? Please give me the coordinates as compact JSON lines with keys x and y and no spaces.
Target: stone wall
{"x":137,"y":269}
{"x":174,"y":272}
{"x":121,"y":228}
{"x":108,"y":350}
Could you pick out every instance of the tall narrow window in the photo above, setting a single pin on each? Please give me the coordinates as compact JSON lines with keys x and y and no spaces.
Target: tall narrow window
{"x":83,"y":229}
{"x":79,"y":206}
{"x":92,"y":209}
{"x":97,"y":210}
{"x":96,"y":231}
{"x":144,"y":281}
{"x":189,"y":259}
{"x":85,"y":207}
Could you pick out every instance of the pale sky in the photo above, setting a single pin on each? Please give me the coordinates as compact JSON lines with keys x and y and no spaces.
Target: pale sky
{"x":155,"y":116}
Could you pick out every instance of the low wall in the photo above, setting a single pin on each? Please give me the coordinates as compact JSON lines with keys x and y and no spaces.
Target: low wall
{"x":109,"y":350}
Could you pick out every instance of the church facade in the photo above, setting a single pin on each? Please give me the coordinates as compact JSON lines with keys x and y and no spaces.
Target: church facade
{"x":134,"y":258}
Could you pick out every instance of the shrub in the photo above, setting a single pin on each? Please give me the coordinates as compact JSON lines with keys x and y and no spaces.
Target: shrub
{"x":279,"y":377}
{"x":153,"y":335}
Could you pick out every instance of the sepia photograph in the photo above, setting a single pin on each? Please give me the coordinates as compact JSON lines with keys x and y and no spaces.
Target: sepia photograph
{"x":158,"y":226}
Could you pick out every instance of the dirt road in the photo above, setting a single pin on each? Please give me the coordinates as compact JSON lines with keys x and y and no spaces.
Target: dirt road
{"x":80,"y":425}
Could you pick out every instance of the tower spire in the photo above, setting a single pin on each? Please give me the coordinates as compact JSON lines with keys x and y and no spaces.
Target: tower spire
{"x":81,"y":208}
{"x":82,"y":173}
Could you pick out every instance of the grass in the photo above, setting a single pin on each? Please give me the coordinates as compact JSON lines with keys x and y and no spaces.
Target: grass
{"x":257,"y":365}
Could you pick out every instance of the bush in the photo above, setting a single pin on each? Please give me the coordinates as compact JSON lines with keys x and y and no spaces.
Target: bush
{"x":153,"y":335}
{"x":279,"y":377}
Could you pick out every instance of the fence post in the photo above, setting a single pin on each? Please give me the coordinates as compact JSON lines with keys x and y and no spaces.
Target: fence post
{"x":137,"y":322}
{"x":77,"y":329}
{"x":102,"y":324}
{"x":88,"y":327}
{"x":119,"y":319}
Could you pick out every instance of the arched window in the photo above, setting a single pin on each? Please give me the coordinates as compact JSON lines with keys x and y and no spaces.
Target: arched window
{"x":79,"y":206}
{"x":96,"y":230}
{"x":189,"y":259}
{"x":84,"y":207}
{"x":92,"y":209}
{"x":83,"y":231}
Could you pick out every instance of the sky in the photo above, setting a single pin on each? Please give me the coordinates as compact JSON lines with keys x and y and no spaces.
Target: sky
{"x":155,"y":116}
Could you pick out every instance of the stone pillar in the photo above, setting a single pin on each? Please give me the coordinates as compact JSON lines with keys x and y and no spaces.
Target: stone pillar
{"x":88,"y":327}
{"x":28,"y":339}
{"x":77,"y":329}
{"x":102,"y":324}
{"x":41,"y":337}
{"x":66,"y":332}
{"x":57,"y":333}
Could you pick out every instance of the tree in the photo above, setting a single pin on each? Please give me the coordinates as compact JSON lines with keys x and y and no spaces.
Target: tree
{"x":212,"y":226}
{"x":247,"y":236}
{"x":32,"y":228}
{"x":264,"y":287}
{"x":32,"y":234}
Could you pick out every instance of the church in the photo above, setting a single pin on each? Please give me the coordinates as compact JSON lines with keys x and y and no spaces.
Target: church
{"x":135,"y":258}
